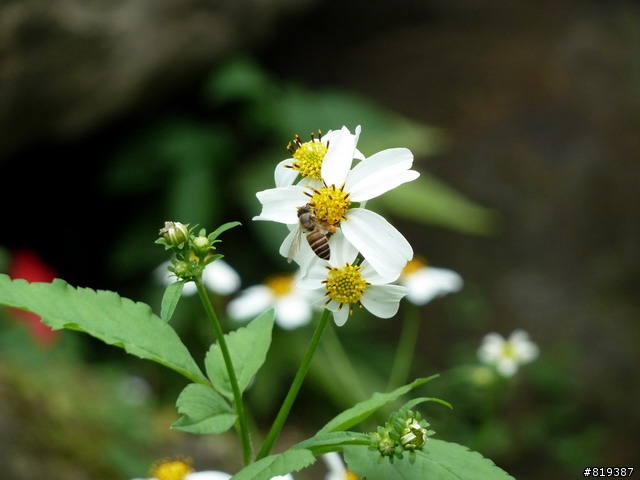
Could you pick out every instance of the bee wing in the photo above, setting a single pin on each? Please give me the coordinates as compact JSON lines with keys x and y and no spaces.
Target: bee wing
{"x":294,"y":243}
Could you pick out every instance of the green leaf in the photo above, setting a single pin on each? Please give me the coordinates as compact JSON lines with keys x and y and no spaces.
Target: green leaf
{"x":289,"y":461}
{"x":170,"y":300}
{"x":362,"y":410}
{"x":416,"y":401}
{"x":222,"y":228}
{"x":331,"y":442}
{"x":105,"y":315}
{"x":248,"y":347}
{"x":204,"y":411}
{"x":439,"y":460}
{"x":439,"y":204}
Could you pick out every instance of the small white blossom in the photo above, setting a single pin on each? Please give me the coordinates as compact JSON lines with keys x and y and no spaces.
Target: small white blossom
{"x":507,"y":355}
{"x":292,"y":306}
{"x":334,"y":150}
{"x":218,"y":277}
{"x":425,"y":282}
{"x":338,"y":285}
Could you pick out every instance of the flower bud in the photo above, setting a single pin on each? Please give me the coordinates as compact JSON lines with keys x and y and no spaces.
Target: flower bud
{"x":175,"y":233}
{"x":201,"y":246}
{"x":182,"y":270}
{"x":413,"y":435}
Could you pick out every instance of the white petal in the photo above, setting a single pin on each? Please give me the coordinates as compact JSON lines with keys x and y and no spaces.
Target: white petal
{"x":383,"y":300}
{"x":335,"y":465}
{"x":284,"y":176}
{"x":208,"y":475}
{"x":384,"y":247}
{"x":189,"y":289}
{"x":380,"y":173}
{"x":342,"y":250}
{"x":251,"y":302}
{"x":293,"y":311}
{"x":491,"y":348}
{"x":428,"y":283}
{"x":339,"y":157}
{"x":281,"y":204}
{"x":526,"y":350}
{"x":220,"y":278}
{"x":341,"y":315}
{"x":506,"y":366}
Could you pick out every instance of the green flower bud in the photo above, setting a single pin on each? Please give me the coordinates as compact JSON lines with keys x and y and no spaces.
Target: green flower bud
{"x":175,"y":233}
{"x":201,"y":246}
{"x":413,"y":435}
{"x":182,"y":270}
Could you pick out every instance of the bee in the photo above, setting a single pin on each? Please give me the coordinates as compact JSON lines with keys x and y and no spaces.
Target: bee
{"x":318,"y":232}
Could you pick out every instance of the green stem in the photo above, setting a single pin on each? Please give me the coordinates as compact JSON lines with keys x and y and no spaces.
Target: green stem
{"x":406,"y":347}
{"x":224,"y":349}
{"x":278,"y":423}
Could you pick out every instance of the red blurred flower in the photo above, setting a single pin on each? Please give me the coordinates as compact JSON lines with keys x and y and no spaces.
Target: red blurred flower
{"x":27,"y":265}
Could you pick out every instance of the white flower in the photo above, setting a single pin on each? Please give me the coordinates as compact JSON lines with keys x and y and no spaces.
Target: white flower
{"x":292,"y":306}
{"x":426,"y":283}
{"x":507,"y":355}
{"x":336,"y":467}
{"x":214,"y":475}
{"x":384,"y":247}
{"x":338,"y":285}
{"x":335,"y":149}
{"x":218,"y":277}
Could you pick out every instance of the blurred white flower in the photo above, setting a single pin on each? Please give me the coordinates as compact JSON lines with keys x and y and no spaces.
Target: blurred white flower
{"x":337,"y":468}
{"x":507,"y":355}
{"x":180,"y":469}
{"x":292,"y":305}
{"x":218,"y":277}
{"x":426,"y":283}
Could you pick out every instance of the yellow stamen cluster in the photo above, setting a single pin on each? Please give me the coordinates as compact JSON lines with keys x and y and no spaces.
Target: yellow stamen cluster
{"x":345,"y":285}
{"x":330,"y":204}
{"x":280,"y":284}
{"x":349,"y":475}
{"x":308,"y":156}
{"x":171,"y":469}
{"x":508,"y":350}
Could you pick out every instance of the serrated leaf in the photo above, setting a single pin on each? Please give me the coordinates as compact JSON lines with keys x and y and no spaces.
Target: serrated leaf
{"x":439,"y":460}
{"x":105,"y":315}
{"x":362,"y":410}
{"x":203,"y":410}
{"x":170,"y":300}
{"x":266,"y":468}
{"x":248,"y":347}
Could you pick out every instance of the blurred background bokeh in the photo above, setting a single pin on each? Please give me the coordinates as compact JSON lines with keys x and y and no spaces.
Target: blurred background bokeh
{"x":524,"y":120}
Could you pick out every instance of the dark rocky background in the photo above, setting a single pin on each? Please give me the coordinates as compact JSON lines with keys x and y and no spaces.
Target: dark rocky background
{"x":540,"y":102}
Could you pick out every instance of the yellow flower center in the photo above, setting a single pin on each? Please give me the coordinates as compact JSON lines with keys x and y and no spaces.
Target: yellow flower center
{"x":171,"y":469}
{"x":351,"y":476}
{"x":280,"y":284}
{"x":308,"y":156}
{"x":414,"y":265}
{"x":345,"y":284}
{"x":509,"y":350}
{"x":330,"y":204}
